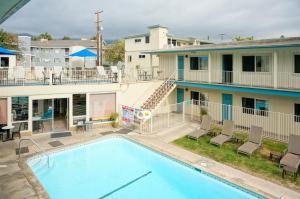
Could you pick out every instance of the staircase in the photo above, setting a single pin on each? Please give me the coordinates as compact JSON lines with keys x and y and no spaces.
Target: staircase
{"x":160,"y":94}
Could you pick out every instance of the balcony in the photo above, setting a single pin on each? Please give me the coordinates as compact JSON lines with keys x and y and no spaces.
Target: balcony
{"x":37,"y":76}
{"x":281,"y":80}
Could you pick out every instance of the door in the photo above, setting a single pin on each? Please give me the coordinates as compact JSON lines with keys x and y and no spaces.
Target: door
{"x":227,"y":68}
{"x":226,"y":106}
{"x":180,"y":99}
{"x":60,"y":114}
{"x":180,"y":67}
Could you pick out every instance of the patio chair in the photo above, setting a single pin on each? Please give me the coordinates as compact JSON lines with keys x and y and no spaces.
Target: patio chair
{"x":203,"y":130}
{"x":114,"y":73}
{"x":17,"y":132}
{"x":291,"y":159}
{"x":226,"y":134}
{"x":101,"y":72}
{"x":254,"y":143}
{"x":57,"y":74}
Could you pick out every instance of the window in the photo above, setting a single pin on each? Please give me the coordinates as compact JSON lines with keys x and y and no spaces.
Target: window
{"x":199,"y":63}
{"x":248,"y":105}
{"x":258,"y":106}
{"x":199,"y":97}
{"x":67,"y":60}
{"x":19,"y":111}
{"x":297,"y":63}
{"x":147,"y":39}
{"x":195,"y":97}
{"x":137,"y":40}
{"x":142,"y":56}
{"x":56,"y":60}
{"x":256,"y":63}
{"x":79,"y":104}
{"x":101,"y":106}
{"x":248,"y":63}
{"x":129,"y":58}
{"x":4,"y":61}
{"x":297,"y":113}
{"x":3,"y":112}
{"x":262,"y":107}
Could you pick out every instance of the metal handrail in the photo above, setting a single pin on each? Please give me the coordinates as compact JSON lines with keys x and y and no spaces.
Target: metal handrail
{"x":36,"y":144}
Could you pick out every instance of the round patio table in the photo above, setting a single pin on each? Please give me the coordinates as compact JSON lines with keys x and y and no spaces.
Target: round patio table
{"x":8,"y":130}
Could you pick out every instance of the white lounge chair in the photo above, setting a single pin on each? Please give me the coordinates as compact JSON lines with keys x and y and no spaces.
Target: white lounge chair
{"x":101,"y":72}
{"x":40,"y":74}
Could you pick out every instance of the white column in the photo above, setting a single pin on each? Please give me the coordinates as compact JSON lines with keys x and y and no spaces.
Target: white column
{"x":151,"y":64}
{"x":275,"y":68}
{"x":70,"y":111}
{"x":30,"y":109}
{"x":87,"y":106}
{"x":183,"y":111}
{"x":209,"y":67}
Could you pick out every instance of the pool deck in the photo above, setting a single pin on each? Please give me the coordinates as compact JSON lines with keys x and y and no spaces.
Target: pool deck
{"x":17,"y":182}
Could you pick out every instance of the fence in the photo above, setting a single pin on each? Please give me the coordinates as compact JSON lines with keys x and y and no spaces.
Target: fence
{"x":276,"y":126}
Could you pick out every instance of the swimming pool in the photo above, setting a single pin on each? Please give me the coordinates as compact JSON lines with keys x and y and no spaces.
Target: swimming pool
{"x":119,"y":168}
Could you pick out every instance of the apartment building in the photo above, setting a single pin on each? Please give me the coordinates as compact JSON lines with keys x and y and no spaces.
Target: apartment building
{"x":251,"y":82}
{"x":158,"y":37}
{"x":49,"y":53}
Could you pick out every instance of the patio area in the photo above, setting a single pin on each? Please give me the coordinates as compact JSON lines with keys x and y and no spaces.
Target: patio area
{"x":15,"y":184}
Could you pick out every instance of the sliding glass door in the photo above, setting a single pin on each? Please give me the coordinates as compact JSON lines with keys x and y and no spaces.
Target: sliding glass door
{"x":49,"y":115}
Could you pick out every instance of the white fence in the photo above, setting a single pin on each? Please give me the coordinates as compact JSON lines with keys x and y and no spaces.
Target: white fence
{"x":276,"y":126}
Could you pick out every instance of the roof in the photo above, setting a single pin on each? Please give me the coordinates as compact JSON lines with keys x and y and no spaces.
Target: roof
{"x":8,"y":8}
{"x":64,"y":43}
{"x":188,"y":39}
{"x":4,"y":51}
{"x":136,"y":36}
{"x":263,"y":43}
{"x":157,"y":26}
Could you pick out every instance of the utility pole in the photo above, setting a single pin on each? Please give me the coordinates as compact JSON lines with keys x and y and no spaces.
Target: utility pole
{"x":98,"y":39}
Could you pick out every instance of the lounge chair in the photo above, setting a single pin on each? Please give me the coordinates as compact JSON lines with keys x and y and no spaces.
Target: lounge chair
{"x":203,"y":130}
{"x":291,"y":159}
{"x":255,"y":138}
{"x":226,"y":134}
{"x":101,"y":72}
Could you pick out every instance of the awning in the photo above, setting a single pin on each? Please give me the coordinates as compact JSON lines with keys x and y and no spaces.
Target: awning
{"x":4,"y":51}
{"x":84,"y":53}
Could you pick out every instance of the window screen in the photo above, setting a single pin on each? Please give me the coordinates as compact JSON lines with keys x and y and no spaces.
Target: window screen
{"x":102,"y":105}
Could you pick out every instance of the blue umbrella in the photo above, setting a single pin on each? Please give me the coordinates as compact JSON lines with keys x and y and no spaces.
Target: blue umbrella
{"x":4,"y":51}
{"x":84,"y":53}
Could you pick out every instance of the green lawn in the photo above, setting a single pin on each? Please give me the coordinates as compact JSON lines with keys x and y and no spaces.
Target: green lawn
{"x":258,"y":164}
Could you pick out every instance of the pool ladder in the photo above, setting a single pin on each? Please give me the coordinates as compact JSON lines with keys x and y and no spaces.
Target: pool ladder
{"x":38,"y":146}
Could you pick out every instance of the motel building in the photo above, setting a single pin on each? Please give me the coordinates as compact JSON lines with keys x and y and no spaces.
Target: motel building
{"x":250,"y":82}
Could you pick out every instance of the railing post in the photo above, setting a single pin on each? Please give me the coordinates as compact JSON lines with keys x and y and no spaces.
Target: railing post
{"x":151,"y":123}
{"x":183,"y":111}
{"x":275,"y":70}
{"x":50,"y":77}
{"x":209,"y":68}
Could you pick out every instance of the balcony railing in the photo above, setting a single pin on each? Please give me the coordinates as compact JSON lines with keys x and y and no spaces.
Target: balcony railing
{"x":20,"y":76}
{"x":285,"y":80}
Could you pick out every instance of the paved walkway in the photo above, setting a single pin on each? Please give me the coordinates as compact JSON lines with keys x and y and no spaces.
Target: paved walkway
{"x":14,"y":184}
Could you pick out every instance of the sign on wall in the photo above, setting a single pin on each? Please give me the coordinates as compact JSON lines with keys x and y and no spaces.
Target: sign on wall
{"x":128,"y":115}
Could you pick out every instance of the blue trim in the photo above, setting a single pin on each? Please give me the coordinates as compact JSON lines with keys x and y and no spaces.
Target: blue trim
{"x":240,"y":89}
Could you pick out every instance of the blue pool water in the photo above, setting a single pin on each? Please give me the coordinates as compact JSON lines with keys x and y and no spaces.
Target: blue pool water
{"x":119,"y":168}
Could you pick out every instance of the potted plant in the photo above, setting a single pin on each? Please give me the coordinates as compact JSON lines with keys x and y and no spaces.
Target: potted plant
{"x":203,"y":111}
{"x":114,"y":117}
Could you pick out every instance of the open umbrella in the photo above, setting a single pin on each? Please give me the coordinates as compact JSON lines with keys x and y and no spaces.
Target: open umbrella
{"x":4,"y":51}
{"x":84,"y":53}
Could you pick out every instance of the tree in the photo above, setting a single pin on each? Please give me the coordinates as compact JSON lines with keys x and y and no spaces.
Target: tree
{"x":93,"y":38}
{"x":44,"y":35}
{"x":115,"y":52}
{"x":239,"y":38}
{"x":66,"y":38}
{"x":10,"y":41}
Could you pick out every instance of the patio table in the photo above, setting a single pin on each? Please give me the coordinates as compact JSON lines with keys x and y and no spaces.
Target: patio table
{"x":9,"y":133}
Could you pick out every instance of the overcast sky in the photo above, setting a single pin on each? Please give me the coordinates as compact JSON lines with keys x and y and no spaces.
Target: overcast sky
{"x":197,"y":18}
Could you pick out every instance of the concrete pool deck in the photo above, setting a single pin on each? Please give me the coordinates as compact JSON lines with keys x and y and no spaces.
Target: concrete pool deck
{"x":15,"y":182}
